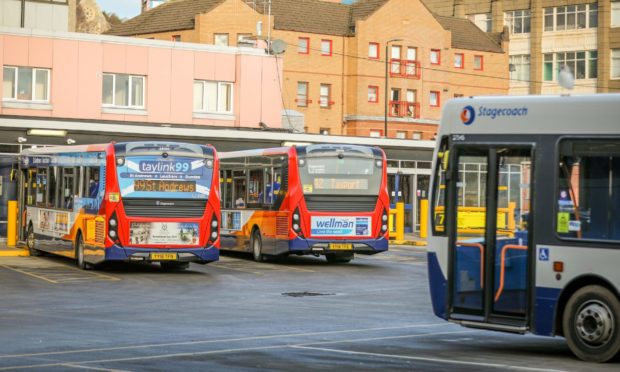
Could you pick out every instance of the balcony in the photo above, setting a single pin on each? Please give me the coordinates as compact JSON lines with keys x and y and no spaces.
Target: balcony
{"x":404,"y":109}
{"x":404,"y":68}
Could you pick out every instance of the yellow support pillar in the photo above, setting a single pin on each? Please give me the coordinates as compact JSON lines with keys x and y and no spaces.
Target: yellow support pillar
{"x":400,"y":221}
{"x":11,"y":229}
{"x":423,"y":218}
{"x":512,"y":225}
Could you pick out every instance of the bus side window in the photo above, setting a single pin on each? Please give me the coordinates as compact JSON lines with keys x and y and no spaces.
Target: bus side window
{"x":68,"y":182}
{"x":268,"y":186}
{"x":32,"y":187}
{"x":239,"y":189}
{"x":91,"y":182}
{"x":52,"y":188}
{"x":255,"y":187}
{"x":41,"y":187}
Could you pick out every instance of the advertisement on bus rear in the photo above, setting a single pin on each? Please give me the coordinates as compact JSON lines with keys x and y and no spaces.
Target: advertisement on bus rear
{"x":340,"y":226}
{"x":164,"y":178}
{"x":163,"y":233}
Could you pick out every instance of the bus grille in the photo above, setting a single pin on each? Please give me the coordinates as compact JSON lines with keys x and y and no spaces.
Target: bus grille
{"x":282,"y":225}
{"x":164,"y":208}
{"x":340,"y":203}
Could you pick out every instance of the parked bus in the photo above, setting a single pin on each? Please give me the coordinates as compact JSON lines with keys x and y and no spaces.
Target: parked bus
{"x":134,"y":201}
{"x":525,"y":218}
{"x":326,"y":200}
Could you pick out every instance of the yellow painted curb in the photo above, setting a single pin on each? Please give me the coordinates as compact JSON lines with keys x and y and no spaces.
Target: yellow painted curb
{"x":14,"y":252}
{"x":408,"y":242}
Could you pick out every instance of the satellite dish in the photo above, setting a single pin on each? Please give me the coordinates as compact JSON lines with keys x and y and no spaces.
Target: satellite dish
{"x":278,"y":46}
{"x":566,"y":78}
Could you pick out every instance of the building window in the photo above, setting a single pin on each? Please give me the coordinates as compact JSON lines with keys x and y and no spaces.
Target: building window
{"x":416,"y":135}
{"x":518,"y":21}
{"x":303,"y":45}
{"x":26,"y":84}
{"x":459,"y":60}
{"x":395,"y":68}
{"x":220,"y":39}
{"x":213,"y":97}
{"x":435,"y":57}
{"x":434,"y":99}
{"x":373,"y":50}
{"x":582,"y":64}
{"x":571,"y":17}
{"x":302,"y":94}
{"x":324,"y":131}
{"x":520,"y":67}
{"x":615,"y":63}
{"x":478,"y":63}
{"x":483,"y":21}
{"x":401,"y":134}
{"x":243,"y":38}
{"x":176,"y":37}
{"x":615,"y":14}
{"x":325,"y":96}
{"x":122,"y":90}
{"x":326,"y":47}
{"x":375,"y":133}
{"x":373,"y":94}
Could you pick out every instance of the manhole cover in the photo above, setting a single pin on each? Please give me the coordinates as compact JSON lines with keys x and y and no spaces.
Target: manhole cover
{"x":304,"y":294}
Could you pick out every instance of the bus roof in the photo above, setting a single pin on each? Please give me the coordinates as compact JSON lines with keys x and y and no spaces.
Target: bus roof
{"x":578,"y":114}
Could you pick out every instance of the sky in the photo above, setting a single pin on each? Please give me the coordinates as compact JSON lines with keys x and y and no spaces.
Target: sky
{"x":122,"y":8}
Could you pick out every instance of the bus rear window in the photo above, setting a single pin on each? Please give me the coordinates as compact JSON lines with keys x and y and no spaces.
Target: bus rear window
{"x":345,"y":174}
{"x":588,"y":192}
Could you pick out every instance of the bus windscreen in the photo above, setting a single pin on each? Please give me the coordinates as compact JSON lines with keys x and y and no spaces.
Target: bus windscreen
{"x":340,"y":175}
{"x":159,"y":177}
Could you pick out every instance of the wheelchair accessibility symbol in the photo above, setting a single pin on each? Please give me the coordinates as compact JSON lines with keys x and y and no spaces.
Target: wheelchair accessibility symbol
{"x":543,"y":254}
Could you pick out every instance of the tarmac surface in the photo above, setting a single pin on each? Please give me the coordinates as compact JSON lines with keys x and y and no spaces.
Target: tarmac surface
{"x":296,"y":314}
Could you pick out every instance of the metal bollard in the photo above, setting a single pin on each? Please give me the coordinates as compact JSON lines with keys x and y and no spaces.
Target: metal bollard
{"x":423,"y":218}
{"x":11,"y":228}
{"x":400,"y":221}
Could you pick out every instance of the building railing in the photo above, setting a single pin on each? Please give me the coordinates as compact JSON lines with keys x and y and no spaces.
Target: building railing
{"x":405,"y":68}
{"x":404,"y":109}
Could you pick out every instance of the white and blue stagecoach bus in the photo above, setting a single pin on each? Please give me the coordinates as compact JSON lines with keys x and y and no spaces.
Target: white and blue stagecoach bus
{"x":525,"y":217}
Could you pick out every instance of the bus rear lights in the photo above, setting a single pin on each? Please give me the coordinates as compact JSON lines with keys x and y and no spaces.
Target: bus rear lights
{"x":112,"y":234}
{"x":209,"y":163}
{"x":214,"y":223}
{"x":295,"y":227}
{"x":214,"y":230}
{"x":120,"y":161}
{"x":214,"y":236}
{"x":112,"y":227}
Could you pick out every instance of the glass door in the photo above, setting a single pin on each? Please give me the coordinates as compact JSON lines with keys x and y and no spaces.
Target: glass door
{"x":489,"y":240}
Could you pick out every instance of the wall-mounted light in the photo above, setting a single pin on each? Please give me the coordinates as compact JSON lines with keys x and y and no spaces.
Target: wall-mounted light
{"x":22,"y":139}
{"x":70,"y":141}
{"x":47,"y":132}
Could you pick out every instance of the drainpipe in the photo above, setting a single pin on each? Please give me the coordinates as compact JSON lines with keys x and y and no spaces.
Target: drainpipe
{"x":23,"y":22}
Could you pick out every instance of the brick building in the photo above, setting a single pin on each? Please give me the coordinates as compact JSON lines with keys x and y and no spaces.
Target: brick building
{"x":547,"y":34}
{"x":335,"y":63}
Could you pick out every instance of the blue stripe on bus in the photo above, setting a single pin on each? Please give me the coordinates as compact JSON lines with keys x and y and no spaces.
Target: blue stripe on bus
{"x":546,"y":301}
{"x":117,"y":253}
{"x":438,"y":286}
{"x":299,"y":244}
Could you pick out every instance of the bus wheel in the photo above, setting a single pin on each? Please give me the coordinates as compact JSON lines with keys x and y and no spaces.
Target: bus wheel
{"x":338,"y":257}
{"x":79,"y":254}
{"x":173,"y":265}
{"x":30,"y":242}
{"x":591,"y":323}
{"x":257,"y":246}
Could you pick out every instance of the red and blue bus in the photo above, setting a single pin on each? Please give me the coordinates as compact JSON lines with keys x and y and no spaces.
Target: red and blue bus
{"x":329,"y":200}
{"x":134,"y":201}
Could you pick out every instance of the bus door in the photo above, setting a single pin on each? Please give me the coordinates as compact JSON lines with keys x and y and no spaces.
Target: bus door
{"x":489,"y":268}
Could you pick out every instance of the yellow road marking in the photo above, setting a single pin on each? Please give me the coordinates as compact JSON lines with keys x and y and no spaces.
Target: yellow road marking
{"x":29,"y":274}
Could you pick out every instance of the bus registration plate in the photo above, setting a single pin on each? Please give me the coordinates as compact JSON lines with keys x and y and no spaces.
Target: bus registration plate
{"x":163,"y":256}
{"x":341,"y":246}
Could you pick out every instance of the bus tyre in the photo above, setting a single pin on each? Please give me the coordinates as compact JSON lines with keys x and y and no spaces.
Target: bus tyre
{"x":338,"y":257}
{"x":79,"y":254}
{"x":174,"y":265}
{"x":257,"y":247}
{"x":30,"y":242}
{"x":591,"y":324}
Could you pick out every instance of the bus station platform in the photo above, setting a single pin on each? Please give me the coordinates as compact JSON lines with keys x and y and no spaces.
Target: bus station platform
{"x":18,"y":251}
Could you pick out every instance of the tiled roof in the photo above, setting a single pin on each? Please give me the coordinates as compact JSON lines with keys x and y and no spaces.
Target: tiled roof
{"x":170,"y":16}
{"x":363,"y":8}
{"x":466,"y":35}
{"x":312,"y":16}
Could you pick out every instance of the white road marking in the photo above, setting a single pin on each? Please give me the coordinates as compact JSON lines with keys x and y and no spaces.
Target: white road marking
{"x":74,"y":365}
{"x":428,"y":359}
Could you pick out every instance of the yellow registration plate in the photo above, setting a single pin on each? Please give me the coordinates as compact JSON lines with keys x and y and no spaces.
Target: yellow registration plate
{"x":341,"y":246}
{"x":163,"y":256}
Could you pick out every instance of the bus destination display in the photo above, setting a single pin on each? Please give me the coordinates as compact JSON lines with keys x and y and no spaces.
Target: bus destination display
{"x":164,"y":186}
{"x":340,"y":184}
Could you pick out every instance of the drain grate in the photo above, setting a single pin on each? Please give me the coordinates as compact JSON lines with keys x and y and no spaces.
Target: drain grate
{"x":306,"y":294}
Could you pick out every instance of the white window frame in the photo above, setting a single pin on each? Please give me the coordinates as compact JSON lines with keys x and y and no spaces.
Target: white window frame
{"x":482,"y":20}
{"x":129,"y":93}
{"x":615,"y":14}
{"x":33,"y":86}
{"x":557,"y":64}
{"x":520,"y":61}
{"x":401,"y":134}
{"x":374,"y":45}
{"x":302,"y":99}
{"x":459,"y":65}
{"x":375,"y":133}
{"x":557,"y":10}
{"x":615,"y":58}
{"x":522,"y":17}
{"x":325,"y":100}
{"x":218,"y":100}
{"x":215,"y":36}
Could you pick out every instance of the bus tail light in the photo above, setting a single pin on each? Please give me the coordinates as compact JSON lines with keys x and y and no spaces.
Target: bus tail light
{"x":113,"y":228}
{"x":214,"y":230}
{"x":296,"y":222}
{"x":384,"y":223}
